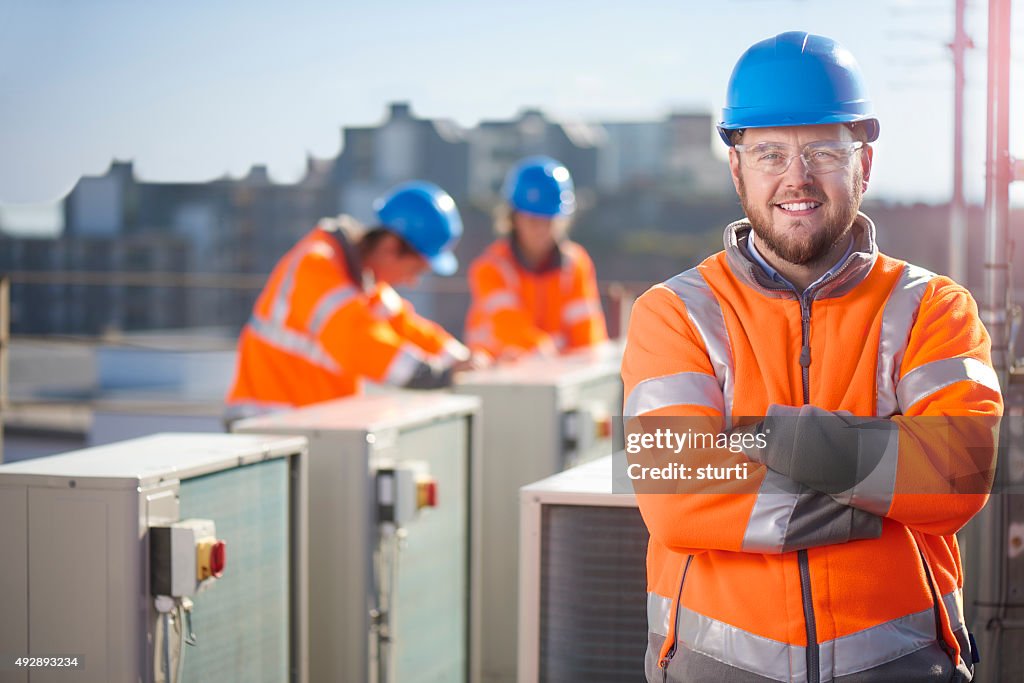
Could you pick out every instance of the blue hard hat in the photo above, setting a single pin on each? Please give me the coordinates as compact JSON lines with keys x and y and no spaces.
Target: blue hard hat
{"x":796,"y":79}
{"x":540,"y":185}
{"x":425,"y":216}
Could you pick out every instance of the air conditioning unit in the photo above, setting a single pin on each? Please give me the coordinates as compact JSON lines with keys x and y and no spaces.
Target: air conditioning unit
{"x":582,"y":580}
{"x":540,"y":417}
{"x":111,"y":557}
{"x":390,"y":578}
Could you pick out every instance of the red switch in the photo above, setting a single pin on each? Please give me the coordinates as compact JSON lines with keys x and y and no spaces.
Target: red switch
{"x":211,"y":558}
{"x":218,"y":558}
{"x":426,"y":494}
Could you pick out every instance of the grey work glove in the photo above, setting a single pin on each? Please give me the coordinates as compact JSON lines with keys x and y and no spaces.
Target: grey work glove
{"x":430,"y":376}
{"x":828,"y":451}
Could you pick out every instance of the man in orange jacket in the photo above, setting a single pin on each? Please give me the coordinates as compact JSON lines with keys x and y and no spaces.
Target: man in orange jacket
{"x":826,"y":550}
{"x":534,"y":292}
{"x":328,"y":316}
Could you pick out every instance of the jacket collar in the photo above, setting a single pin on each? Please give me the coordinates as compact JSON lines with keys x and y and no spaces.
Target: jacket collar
{"x":850,"y":274}
{"x":347,"y":251}
{"x":553,"y":262}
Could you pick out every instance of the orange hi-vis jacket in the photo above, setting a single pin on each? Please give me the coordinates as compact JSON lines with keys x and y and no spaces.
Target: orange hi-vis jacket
{"x":316,"y":332}
{"x":781,"y":581}
{"x":516,"y":310}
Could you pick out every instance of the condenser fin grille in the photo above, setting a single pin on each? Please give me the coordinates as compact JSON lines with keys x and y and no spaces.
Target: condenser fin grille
{"x":593,"y":624}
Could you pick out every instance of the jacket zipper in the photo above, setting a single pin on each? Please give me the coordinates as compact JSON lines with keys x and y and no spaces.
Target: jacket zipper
{"x":802,"y":559}
{"x":664,"y":662}
{"x":812,"y":633}
{"x":805,"y":349}
{"x":939,"y":638}
{"x":805,"y":299}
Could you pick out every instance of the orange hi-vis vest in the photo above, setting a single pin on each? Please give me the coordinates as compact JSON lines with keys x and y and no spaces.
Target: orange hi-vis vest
{"x":516,"y":310}
{"x":316,"y":332}
{"x":784,"y":582}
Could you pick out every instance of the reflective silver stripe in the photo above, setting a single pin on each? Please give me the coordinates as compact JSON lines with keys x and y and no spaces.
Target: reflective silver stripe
{"x":925,"y":380}
{"x":659,"y":611}
{"x":453,"y":352}
{"x":954,"y":606}
{"x":577,"y":310}
{"x":280,"y":307}
{"x":771,"y":514}
{"x":328,"y":304}
{"x":744,"y":650}
{"x":781,"y":661}
{"x":898,"y":319}
{"x":683,"y":388}
{"x":499,"y":300}
{"x":705,"y":313}
{"x":881,"y":644}
{"x":294,"y":343}
{"x":874,"y":492}
{"x":404,"y":365}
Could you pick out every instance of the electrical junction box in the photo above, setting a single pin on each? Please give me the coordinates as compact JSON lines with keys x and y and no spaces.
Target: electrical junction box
{"x":76,"y":574}
{"x":185,"y":556}
{"x":540,"y":416}
{"x":403,"y":491}
{"x":582,"y":579}
{"x":353,"y":442}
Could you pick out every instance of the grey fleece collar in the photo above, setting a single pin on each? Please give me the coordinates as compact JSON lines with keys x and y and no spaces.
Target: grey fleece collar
{"x":852,"y":272}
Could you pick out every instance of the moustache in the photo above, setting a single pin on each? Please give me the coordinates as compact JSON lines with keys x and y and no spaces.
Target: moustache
{"x":813,"y":196}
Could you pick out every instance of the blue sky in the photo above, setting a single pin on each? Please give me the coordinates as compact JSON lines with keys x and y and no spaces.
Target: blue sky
{"x":191,"y":90}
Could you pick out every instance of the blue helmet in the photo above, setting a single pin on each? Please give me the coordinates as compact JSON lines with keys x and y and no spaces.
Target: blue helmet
{"x":425,"y":216}
{"x":540,"y":185}
{"x":796,"y":79}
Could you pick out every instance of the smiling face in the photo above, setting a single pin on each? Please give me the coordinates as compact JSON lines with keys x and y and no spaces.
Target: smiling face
{"x":798,"y":216}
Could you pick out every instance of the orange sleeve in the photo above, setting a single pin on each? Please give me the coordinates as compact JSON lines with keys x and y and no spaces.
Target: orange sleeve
{"x":414,"y":328}
{"x":582,"y":314}
{"x":951,"y":404}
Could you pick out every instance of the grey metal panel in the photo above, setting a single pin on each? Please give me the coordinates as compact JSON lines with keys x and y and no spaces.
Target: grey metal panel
{"x":85,"y":579}
{"x":13,"y":576}
{"x":339,"y":564}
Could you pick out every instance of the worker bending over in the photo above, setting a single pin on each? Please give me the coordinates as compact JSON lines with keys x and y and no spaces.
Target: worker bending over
{"x":328,"y":317}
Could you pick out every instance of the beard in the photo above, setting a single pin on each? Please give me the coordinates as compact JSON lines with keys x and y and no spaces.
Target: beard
{"x":785,"y":241}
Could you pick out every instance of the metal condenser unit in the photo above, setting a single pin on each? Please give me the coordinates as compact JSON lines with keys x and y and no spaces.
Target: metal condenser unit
{"x":540,"y":417}
{"x":582,"y":580}
{"x":390,"y":533}
{"x":174,"y":557}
